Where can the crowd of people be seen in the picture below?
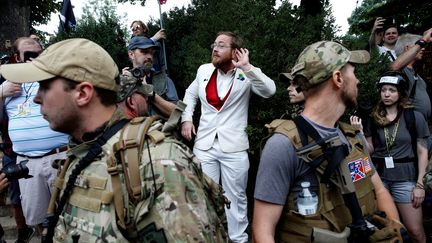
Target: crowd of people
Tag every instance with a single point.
(106, 161)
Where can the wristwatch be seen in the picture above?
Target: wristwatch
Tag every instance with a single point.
(421, 43)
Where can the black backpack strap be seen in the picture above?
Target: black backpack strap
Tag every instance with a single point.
(391, 56)
(305, 131)
(410, 121)
(411, 91)
(333, 155)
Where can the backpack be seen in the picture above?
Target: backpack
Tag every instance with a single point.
(198, 208)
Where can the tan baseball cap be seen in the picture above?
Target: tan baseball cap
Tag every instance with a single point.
(76, 59)
(318, 61)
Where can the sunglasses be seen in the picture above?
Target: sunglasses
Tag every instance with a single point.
(136, 27)
(30, 54)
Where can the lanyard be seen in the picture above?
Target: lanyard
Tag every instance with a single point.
(390, 140)
(27, 91)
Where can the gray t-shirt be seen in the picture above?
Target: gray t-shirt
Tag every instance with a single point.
(402, 148)
(421, 99)
(280, 171)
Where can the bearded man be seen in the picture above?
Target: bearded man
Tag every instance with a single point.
(224, 88)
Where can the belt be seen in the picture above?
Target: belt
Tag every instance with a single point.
(403, 160)
(53, 151)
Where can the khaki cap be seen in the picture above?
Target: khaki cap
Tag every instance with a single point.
(318, 61)
(75, 59)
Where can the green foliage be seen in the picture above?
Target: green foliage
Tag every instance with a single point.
(273, 36)
(101, 24)
(412, 16)
(142, 2)
(40, 12)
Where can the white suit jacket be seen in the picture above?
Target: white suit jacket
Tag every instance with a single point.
(229, 123)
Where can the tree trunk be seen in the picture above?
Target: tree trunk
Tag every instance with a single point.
(14, 23)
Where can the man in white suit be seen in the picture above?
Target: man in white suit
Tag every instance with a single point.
(224, 88)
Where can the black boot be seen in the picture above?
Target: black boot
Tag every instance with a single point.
(25, 235)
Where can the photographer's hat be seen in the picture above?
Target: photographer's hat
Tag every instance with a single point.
(317, 62)
(141, 42)
(75, 59)
(129, 85)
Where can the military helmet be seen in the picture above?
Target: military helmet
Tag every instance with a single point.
(129, 84)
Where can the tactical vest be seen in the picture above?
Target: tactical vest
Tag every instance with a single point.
(332, 214)
(142, 189)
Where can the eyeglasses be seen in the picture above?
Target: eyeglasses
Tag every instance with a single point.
(219, 46)
(136, 27)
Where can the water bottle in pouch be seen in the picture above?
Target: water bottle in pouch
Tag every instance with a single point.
(307, 201)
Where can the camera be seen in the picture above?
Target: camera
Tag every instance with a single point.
(17, 171)
(388, 22)
(141, 71)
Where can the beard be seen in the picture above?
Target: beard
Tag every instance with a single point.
(66, 124)
(220, 61)
(349, 100)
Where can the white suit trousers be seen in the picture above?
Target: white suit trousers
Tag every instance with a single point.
(232, 170)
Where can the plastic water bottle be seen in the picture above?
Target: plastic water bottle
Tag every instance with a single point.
(307, 201)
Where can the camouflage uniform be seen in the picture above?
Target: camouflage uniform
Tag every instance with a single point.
(179, 210)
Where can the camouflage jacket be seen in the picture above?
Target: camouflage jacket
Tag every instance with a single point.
(183, 205)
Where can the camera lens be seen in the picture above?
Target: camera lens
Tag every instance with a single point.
(137, 72)
(17, 171)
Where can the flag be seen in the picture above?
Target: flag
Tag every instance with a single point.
(67, 17)
(162, 1)
(357, 170)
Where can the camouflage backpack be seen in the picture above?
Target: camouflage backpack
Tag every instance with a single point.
(169, 197)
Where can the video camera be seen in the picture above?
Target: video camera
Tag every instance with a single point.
(17, 171)
(141, 71)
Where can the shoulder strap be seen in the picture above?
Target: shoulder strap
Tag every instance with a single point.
(411, 91)
(391, 56)
(410, 121)
(129, 149)
(411, 126)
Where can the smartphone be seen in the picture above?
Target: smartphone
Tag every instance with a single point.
(30, 54)
(389, 21)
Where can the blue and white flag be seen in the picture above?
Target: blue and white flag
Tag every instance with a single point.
(67, 17)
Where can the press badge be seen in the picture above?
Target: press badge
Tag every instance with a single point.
(389, 162)
(24, 109)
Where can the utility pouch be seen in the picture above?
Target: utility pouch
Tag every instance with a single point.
(326, 236)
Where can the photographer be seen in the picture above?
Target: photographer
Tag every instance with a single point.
(140, 52)
(384, 36)
(32, 141)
